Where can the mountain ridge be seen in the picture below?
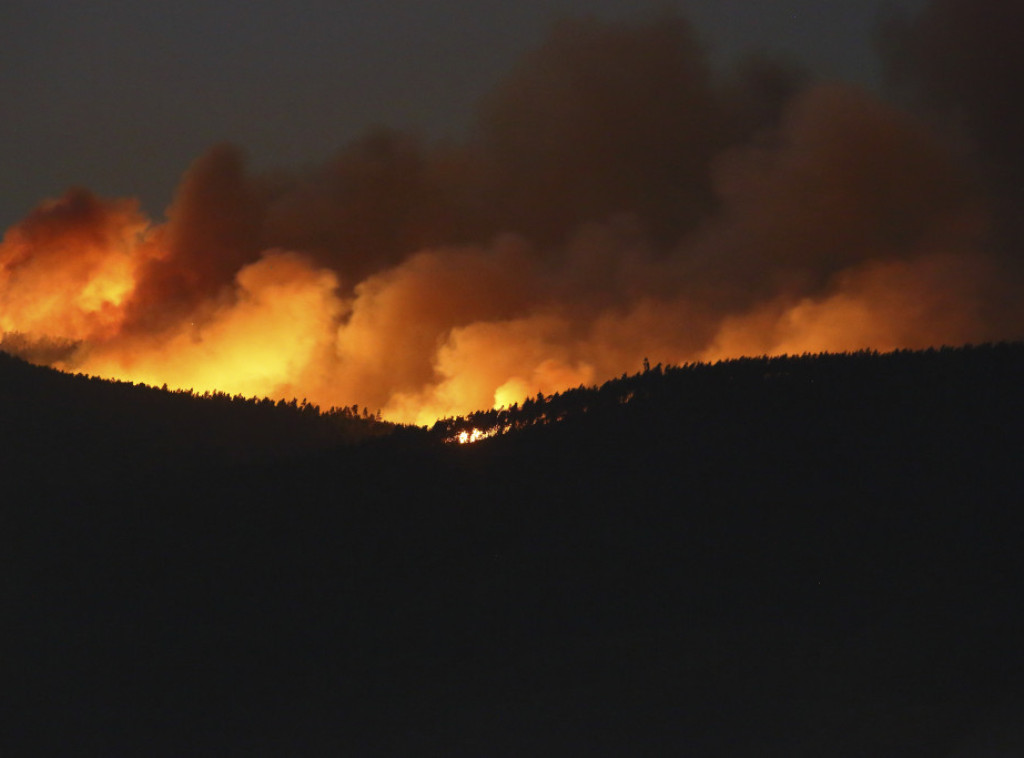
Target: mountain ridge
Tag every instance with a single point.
(773, 556)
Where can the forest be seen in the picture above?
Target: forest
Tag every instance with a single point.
(795, 556)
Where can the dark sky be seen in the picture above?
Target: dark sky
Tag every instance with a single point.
(121, 96)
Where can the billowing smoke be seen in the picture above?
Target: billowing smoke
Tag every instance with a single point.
(962, 62)
(618, 200)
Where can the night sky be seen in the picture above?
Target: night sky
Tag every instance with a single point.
(121, 97)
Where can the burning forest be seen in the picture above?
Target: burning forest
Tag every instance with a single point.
(618, 198)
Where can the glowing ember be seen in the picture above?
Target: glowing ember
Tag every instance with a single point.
(474, 435)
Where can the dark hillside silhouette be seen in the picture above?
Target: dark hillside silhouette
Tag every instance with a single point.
(51, 418)
(802, 556)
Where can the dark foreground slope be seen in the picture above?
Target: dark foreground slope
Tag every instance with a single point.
(57, 427)
(816, 556)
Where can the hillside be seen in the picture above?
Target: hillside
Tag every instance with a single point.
(88, 422)
(773, 556)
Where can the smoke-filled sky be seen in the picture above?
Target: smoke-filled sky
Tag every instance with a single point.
(439, 208)
(121, 96)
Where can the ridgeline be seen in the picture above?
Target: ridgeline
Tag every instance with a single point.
(815, 555)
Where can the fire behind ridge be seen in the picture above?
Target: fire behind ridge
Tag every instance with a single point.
(664, 211)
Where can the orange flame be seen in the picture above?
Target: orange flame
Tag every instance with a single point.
(854, 229)
(67, 271)
(473, 435)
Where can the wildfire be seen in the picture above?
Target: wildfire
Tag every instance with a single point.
(67, 271)
(467, 437)
(419, 340)
(559, 251)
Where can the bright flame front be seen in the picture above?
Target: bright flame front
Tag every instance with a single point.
(467, 437)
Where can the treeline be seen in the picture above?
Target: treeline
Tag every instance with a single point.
(948, 376)
(47, 414)
(304, 407)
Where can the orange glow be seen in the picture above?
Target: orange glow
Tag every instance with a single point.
(279, 322)
(473, 435)
(67, 270)
(440, 334)
(852, 228)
